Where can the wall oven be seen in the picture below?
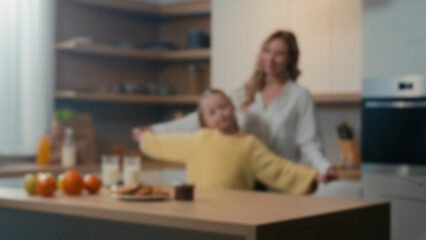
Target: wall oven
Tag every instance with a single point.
(394, 120)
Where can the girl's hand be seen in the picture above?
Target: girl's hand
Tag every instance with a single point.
(137, 132)
(329, 175)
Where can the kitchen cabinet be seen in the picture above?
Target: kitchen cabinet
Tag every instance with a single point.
(232, 59)
(310, 21)
(328, 32)
(346, 46)
(408, 202)
(214, 214)
(394, 38)
(406, 194)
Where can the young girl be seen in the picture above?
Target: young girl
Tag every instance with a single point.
(220, 156)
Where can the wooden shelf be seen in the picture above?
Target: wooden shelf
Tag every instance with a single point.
(184, 9)
(176, 9)
(137, 98)
(107, 50)
(337, 98)
(179, 99)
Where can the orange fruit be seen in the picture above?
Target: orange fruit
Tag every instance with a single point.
(92, 183)
(72, 182)
(46, 184)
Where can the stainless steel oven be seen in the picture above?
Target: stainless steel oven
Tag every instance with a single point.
(394, 120)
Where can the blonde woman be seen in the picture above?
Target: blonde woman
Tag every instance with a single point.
(272, 106)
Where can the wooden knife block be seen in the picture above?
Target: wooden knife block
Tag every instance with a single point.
(349, 153)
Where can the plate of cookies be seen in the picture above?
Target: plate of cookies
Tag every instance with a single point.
(139, 192)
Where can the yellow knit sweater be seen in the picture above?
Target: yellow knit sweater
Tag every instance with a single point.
(217, 160)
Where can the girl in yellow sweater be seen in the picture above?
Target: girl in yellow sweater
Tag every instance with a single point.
(220, 156)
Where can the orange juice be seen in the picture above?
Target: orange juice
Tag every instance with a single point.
(43, 153)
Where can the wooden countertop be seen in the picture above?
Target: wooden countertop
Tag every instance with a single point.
(219, 211)
(348, 173)
(19, 169)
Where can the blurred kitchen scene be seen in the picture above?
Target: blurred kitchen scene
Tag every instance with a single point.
(91, 70)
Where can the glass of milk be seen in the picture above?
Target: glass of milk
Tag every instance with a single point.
(131, 169)
(110, 172)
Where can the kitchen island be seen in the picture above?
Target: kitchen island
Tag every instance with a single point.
(214, 214)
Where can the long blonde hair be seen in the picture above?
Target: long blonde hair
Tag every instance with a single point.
(205, 95)
(257, 80)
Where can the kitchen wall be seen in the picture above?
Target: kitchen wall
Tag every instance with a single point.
(394, 37)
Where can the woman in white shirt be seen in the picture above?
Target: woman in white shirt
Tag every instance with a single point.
(272, 106)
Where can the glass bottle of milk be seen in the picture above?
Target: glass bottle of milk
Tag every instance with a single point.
(69, 151)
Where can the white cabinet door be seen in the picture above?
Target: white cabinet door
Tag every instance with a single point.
(329, 34)
(310, 21)
(346, 49)
(394, 36)
(232, 58)
(408, 203)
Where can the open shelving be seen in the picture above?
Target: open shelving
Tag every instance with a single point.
(183, 99)
(175, 9)
(108, 50)
(89, 73)
(128, 98)
(341, 98)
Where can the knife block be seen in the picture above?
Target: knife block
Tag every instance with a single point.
(349, 153)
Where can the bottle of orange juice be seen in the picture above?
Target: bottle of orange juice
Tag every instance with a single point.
(43, 153)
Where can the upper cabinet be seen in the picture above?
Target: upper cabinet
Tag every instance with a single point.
(328, 32)
(346, 46)
(310, 21)
(394, 37)
(232, 55)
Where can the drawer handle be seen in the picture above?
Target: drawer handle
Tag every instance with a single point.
(395, 104)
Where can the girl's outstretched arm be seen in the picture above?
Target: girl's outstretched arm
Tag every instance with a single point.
(169, 147)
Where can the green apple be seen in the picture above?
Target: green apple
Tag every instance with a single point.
(29, 183)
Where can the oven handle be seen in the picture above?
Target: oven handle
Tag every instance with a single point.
(395, 104)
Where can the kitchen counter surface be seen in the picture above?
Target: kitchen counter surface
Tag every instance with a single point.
(18, 169)
(250, 215)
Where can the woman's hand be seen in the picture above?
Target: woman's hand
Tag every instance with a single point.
(137, 132)
(329, 175)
